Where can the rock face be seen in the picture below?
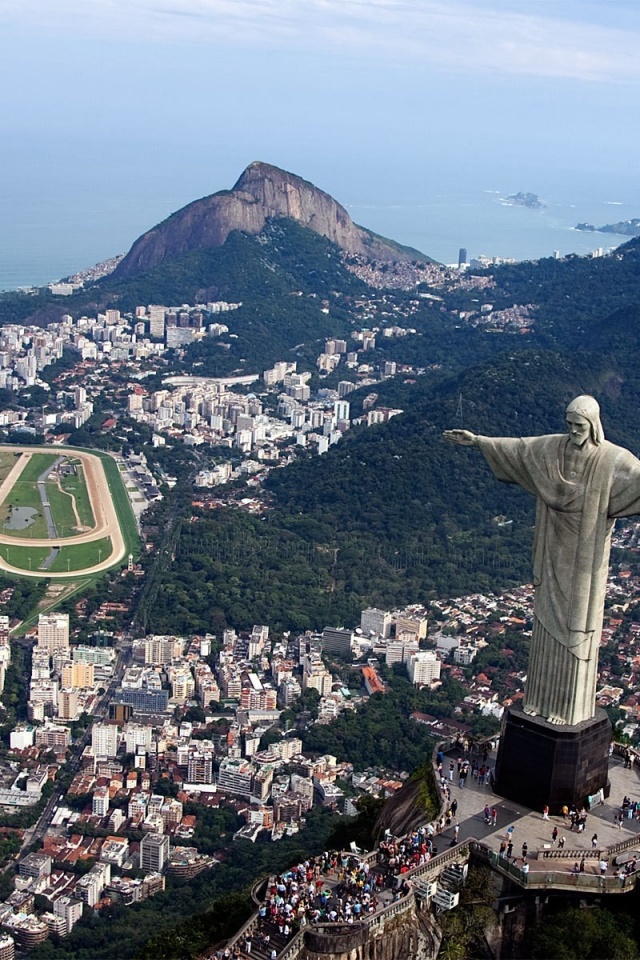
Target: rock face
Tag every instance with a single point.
(261, 193)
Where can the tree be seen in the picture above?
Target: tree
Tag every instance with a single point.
(592, 934)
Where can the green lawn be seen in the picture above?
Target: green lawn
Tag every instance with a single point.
(36, 466)
(76, 485)
(60, 496)
(81, 556)
(69, 558)
(26, 558)
(62, 511)
(24, 495)
(121, 502)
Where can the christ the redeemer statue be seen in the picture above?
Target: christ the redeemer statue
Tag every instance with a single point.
(581, 483)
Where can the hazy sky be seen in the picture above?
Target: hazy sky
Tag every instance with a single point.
(376, 101)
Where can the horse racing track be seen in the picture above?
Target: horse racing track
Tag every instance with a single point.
(57, 512)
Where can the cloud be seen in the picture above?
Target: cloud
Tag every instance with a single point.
(508, 37)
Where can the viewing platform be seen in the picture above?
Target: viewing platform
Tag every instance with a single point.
(578, 864)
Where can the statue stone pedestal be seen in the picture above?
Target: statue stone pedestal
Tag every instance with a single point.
(540, 763)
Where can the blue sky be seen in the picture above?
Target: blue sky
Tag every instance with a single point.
(376, 101)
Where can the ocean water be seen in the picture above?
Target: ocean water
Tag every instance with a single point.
(73, 217)
(482, 223)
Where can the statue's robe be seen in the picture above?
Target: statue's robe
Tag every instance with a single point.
(574, 519)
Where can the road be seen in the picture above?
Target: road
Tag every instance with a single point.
(38, 831)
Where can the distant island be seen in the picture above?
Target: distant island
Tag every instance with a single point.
(530, 200)
(625, 228)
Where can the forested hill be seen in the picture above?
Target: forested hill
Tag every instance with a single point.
(572, 295)
(284, 259)
(393, 514)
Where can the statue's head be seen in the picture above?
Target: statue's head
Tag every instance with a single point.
(583, 420)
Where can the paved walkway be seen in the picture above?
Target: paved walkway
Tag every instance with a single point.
(529, 826)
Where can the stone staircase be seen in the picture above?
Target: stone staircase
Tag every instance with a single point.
(259, 950)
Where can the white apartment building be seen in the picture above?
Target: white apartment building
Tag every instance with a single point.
(69, 909)
(100, 802)
(137, 735)
(465, 655)
(160, 649)
(235, 776)
(53, 632)
(105, 739)
(376, 621)
(423, 668)
(398, 651)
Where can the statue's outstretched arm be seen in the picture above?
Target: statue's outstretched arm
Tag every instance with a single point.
(463, 437)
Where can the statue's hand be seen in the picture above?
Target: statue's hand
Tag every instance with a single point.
(464, 437)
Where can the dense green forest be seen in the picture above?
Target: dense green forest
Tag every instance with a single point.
(392, 514)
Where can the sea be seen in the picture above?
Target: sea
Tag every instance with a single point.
(52, 230)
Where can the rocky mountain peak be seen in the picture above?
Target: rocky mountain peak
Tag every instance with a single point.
(261, 193)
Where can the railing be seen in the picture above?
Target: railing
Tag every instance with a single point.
(400, 906)
(263, 882)
(248, 929)
(621, 845)
(436, 864)
(293, 948)
(558, 879)
(566, 854)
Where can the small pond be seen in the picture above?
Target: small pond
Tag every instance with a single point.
(21, 518)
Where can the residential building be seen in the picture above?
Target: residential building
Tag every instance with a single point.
(35, 865)
(397, 651)
(143, 701)
(200, 763)
(53, 632)
(105, 739)
(7, 947)
(376, 621)
(100, 802)
(154, 852)
(51, 735)
(22, 737)
(77, 675)
(70, 909)
(423, 668)
(235, 776)
(99, 656)
(465, 655)
(68, 704)
(337, 640)
(414, 626)
(161, 649)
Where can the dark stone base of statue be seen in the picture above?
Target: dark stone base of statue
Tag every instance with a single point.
(542, 764)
